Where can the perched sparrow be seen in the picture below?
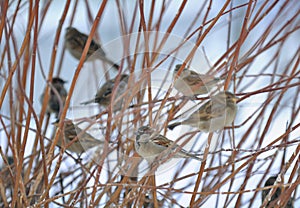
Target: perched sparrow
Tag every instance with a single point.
(276, 195)
(57, 98)
(191, 83)
(149, 144)
(81, 140)
(75, 42)
(104, 94)
(10, 161)
(8, 173)
(214, 115)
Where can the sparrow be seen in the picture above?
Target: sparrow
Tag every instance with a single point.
(76, 140)
(104, 93)
(57, 96)
(276, 195)
(190, 83)
(215, 114)
(75, 42)
(149, 144)
(6, 179)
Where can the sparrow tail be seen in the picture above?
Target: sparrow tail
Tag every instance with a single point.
(172, 126)
(116, 66)
(103, 58)
(87, 102)
(195, 157)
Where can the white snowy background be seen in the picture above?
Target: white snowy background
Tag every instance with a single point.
(214, 45)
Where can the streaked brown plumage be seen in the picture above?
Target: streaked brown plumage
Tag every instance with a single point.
(149, 144)
(218, 112)
(190, 83)
(75, 139)
(75, 42)
(57, 96)
(104, 94)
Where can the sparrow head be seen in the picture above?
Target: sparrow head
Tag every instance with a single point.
(230, 97)
(145, 130)
(270, 181)
(226, 96)
(144, 134)
(57, 80)
(177, 67)
(71, 31)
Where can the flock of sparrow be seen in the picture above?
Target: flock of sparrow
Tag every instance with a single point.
(219, 111)
(214, 115)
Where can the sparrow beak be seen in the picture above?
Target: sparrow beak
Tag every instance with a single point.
(235, 99)
(55, 123)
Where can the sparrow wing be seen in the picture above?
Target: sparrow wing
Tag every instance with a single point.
(200, 79)
(106, 89)
(162, 141)
(77, 41)
(212, 110)
(63, 92)
(88, 140)
(96, 47)
(70, 132)
(80, 41)
(193, 79)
